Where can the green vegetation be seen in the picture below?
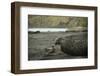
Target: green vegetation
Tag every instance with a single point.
(43, 21)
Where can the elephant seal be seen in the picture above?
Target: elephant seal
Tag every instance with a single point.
(74, 44)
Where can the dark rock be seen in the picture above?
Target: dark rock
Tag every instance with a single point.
(75, 44)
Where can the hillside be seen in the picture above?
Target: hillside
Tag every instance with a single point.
(42, 21)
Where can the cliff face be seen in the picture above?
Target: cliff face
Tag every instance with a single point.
(40, 21)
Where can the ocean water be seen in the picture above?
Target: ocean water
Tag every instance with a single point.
(48, 29)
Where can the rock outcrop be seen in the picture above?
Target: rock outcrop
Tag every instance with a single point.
(75, 45)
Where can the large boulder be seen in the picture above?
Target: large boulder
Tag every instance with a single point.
(74, 44)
